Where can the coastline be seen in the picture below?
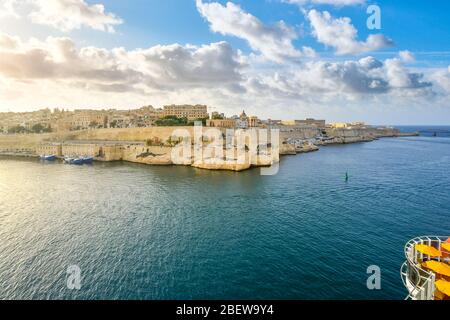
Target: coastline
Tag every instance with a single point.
(129, 145)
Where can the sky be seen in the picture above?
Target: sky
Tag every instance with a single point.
(278, 59)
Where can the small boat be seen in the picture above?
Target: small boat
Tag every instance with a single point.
(75, 161)
(48, 157)
(88, 160)
(68, 160)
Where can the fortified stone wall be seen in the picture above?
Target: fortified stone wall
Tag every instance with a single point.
(49, 149)
(90, 150)
(111, 153)
(129, 134)
(300, 133)
(147, 155)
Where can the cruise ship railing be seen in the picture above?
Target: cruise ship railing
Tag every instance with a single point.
(418, 281)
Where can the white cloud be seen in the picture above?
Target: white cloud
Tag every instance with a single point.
(8, 42)
(273, 42)
(399, 77)
(341, 35)
(442, 79)
(406, 56)
(8, 8)
(65, 15)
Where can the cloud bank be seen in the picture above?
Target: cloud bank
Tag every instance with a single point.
(214, 69)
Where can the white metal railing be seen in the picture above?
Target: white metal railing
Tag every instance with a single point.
(418, 281)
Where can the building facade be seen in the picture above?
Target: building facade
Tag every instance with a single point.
(54, 149)
(307, 122)
(187, 111)
(82, 119)
(221, 123)
(313, 122)
(347, 125)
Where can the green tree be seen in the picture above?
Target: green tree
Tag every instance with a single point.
(153, 142)
(37, 128)
(170, 121)
(17, 129)
(113, 124)
(217, 116)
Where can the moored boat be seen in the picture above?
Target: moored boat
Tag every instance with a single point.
(67, 160)
(48, 157)
(75, 161)
(88, 160)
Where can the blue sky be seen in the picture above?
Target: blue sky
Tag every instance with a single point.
(230, 55)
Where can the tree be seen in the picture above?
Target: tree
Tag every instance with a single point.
(37, 128)
(17, 129)
(153, 142)
(217, 116)
(113, 124)
(171, 121)
(173, 141)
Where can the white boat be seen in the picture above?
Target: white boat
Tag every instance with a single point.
(67, 159)
(48, 157)
(76, 161)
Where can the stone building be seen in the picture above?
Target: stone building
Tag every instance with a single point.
(81, 149)
(321, 124)
(86, 119)
(221, 123)
(187, 111)
(81, 120)
(347, 125)
(244, 121)
(254, 122)
(54, 149)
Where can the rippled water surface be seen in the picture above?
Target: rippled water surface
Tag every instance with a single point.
(143, 232)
